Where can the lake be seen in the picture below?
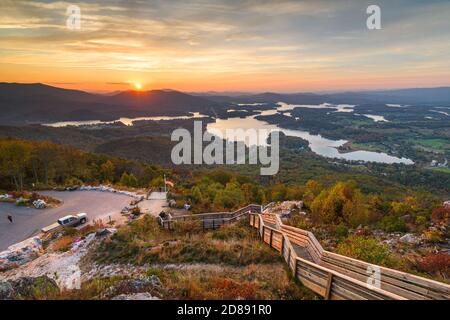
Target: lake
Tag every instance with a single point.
(125, 121)
(318, 144)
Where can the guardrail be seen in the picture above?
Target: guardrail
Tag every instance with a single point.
(210, 220)
(334, 276)
(328, 274)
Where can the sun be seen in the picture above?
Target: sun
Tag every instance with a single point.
(137, 85)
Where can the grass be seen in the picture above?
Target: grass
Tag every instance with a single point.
(249, 283)
(267, 282)
(437, 144)
(143, 241)
(443, 170)
(228, 263)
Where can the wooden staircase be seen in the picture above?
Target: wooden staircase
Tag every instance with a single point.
(334, 276)
(328, 274)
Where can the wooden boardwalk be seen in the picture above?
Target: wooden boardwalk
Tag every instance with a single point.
(328, 274)
(334, 276)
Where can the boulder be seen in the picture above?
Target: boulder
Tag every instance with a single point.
(6, 290)
(409, 238)
(28, 288)
(135, 296)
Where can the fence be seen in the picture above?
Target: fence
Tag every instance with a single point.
(334, 276)
(210, 220)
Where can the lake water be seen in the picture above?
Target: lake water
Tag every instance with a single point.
(126, 121)
(318, 144)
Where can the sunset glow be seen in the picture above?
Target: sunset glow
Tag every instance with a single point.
(224, 46)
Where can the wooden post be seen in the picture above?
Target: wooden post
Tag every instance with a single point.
(271, 237)
(263, 233)
(213, 224)
(282, 245)
(329, 282)
(289, 258)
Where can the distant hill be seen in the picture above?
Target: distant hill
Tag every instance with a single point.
(413, 96)
(40, 103)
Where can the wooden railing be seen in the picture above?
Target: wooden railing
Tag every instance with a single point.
(328, 274)
(334, 276)
(211, 220)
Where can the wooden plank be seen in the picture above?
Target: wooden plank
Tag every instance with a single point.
(312, 286)
(357, 282)
(428, 283)
(329, 283)
(410, 293)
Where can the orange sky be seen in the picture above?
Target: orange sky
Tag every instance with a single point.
(223, 46)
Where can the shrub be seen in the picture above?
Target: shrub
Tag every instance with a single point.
(433, 236)
(341, 230)
(229, 232)
(63, 244)
(365, 248)
(393, 224)
(436, 263)
(421, 220)
(441, 214)
(188, 227)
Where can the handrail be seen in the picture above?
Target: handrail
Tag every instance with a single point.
(219, 217)
(339, 277)
(328, 274)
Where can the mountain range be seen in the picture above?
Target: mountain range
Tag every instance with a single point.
(40, 103)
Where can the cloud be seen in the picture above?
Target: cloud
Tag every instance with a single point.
(227, 36)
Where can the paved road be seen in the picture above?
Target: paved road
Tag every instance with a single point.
(156, 203)
(28, 221)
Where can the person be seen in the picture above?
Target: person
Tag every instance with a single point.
(10, 218)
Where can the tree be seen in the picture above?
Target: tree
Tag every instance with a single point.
(312, 190)
(196, 195)
(15, 156)
(157, 182)
(341, 203)
(366, 249)
(125, 179)
(107, 171)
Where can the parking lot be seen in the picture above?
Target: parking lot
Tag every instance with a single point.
(29, 221)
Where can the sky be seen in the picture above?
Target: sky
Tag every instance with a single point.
(226, 45)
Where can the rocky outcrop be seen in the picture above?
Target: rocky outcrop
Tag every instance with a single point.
(28, 288)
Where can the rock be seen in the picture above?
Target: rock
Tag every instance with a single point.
(6, 291)
(105, 232)
(135, 296)
(129, 286)
(20, 253)
(409, 238)
(28, 288)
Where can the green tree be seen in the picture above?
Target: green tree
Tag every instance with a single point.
(107, 171)
(124, 179)
(14, 158)
(366, 249)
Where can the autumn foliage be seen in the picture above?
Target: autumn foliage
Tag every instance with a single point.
(436, 263)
